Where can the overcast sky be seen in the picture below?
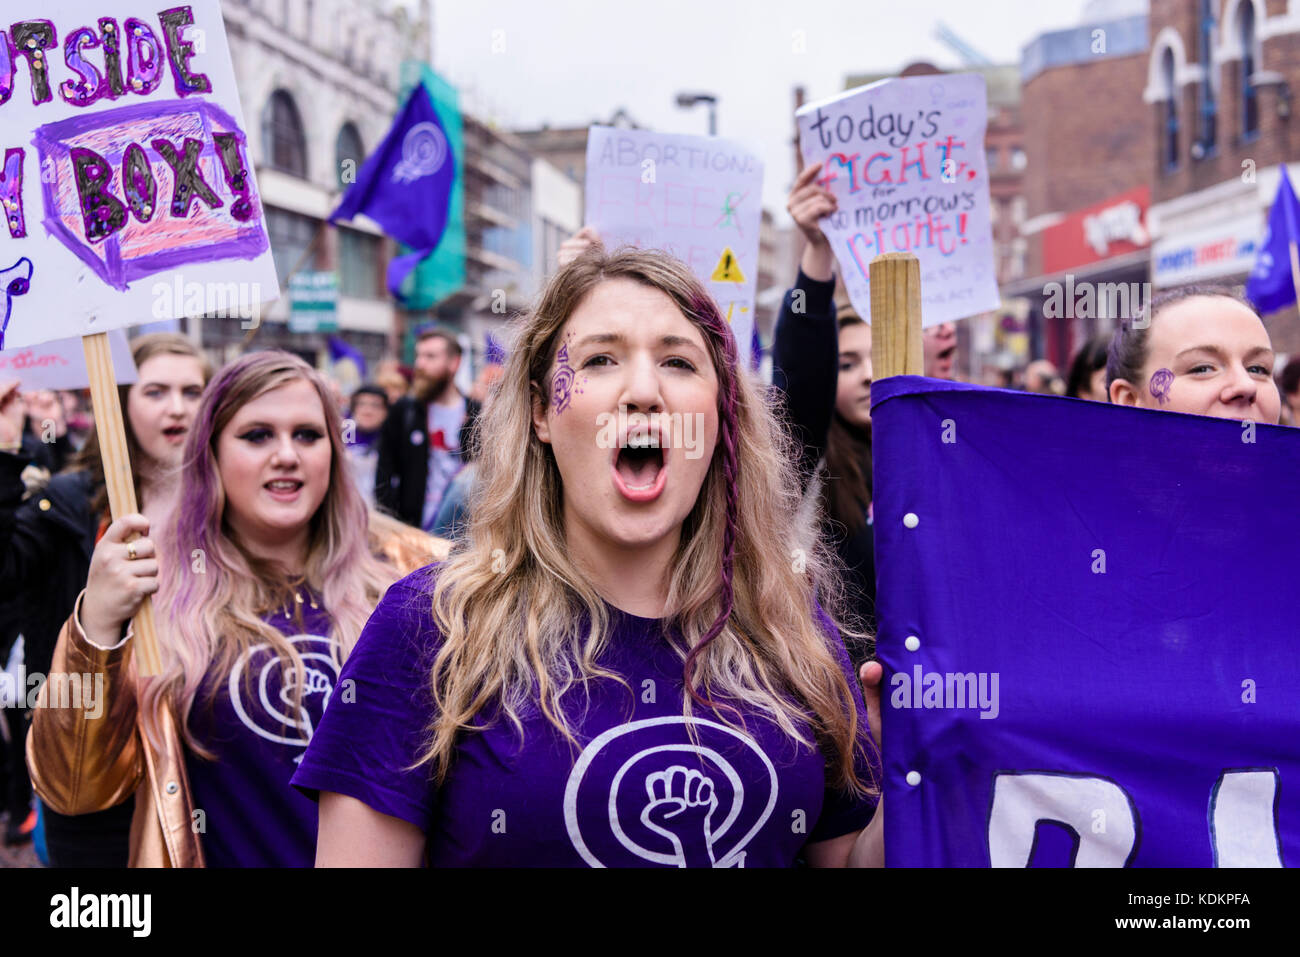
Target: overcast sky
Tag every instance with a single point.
(572, 62)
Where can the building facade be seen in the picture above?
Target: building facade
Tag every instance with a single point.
(1221, 76)
(1088, 147)
(319, 83)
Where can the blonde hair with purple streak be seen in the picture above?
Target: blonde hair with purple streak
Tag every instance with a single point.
(509, 599)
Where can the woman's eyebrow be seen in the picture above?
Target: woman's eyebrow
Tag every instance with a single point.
(618, 338)
(1212, 350)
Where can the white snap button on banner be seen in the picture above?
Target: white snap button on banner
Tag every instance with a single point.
(914, 778)
(912, 643)
(910, 520)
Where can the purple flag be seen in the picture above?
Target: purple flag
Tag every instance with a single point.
(1087, 622)
(1271, 285)
(405, 185)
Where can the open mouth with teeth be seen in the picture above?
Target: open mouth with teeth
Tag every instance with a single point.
(640, 469)
(283, 488)
(174, 432)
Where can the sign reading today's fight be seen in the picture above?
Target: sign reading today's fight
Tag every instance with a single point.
(904, 159)
(126, 171)
(697, 197)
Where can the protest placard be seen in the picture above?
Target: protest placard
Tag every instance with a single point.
(126, 171)
(905, 161)
(62, 364)
(125, 177)
(699, 198)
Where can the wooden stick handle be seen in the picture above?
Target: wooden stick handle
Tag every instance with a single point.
(117, 478)
(896, 316)
(1295, 270)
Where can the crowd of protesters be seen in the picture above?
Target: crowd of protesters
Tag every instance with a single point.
(377, 621)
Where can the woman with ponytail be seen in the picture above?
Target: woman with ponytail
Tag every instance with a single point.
(264, 577)
(619, 664)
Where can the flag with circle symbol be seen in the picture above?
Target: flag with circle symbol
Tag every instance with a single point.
(406, 185)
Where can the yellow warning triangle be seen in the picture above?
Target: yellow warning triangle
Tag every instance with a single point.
(728, 270)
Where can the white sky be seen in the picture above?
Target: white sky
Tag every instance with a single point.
(571, 62)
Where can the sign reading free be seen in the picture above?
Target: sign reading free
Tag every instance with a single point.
(122, 156)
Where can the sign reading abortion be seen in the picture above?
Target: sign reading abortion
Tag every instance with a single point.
(1086, 621)
(904, 159)
(123, 157)
(62, 364)
(697, 197)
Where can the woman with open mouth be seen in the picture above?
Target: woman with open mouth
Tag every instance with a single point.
(623, 663)
(265, 574)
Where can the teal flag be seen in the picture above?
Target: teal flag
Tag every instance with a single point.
(442, 273)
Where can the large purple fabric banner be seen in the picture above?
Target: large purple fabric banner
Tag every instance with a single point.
(1087, 621)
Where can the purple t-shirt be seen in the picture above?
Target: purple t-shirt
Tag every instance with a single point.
(251, 816)
(636, 792)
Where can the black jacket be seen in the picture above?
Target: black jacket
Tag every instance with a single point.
(805, 367)
(45, 548)
(403, 466)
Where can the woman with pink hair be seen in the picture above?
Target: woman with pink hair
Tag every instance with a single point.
(264, 576)
(626, 660)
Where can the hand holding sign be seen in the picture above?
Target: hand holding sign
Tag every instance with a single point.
(905, 161)
(808, 204)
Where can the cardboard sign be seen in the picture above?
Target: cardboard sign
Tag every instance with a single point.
(126, 172)
(697, 197)
(905, 161)
(62, 364)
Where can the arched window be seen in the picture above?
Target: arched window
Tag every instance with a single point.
(349, 153)
(1207, 108)
(1249, 99)
(1171, 110)
(285, 145)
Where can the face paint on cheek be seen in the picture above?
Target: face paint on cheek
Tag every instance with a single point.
(562, 381)
(1162, 380)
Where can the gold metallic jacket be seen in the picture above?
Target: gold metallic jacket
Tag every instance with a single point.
(80, 764)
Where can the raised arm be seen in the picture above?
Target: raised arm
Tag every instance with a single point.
(805, 349)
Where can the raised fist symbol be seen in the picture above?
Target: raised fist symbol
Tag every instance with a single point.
(681, 802)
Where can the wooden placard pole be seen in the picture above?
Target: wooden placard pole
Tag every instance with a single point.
(117, 478)
(1295, 270)
(896, 316)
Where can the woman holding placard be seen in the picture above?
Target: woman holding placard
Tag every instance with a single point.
(46, 540)
(263, 581)
(621, 665)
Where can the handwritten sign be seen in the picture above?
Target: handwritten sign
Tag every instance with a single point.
(699, 198)
(905, 161)
(126, 171)
(62, 364)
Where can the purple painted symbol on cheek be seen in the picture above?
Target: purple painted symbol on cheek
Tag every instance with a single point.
(562, 382)
(1162, 380)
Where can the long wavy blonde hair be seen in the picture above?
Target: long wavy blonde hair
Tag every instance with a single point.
(211, 614)
(509, 601)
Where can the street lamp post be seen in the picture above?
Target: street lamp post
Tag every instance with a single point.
(687, 100)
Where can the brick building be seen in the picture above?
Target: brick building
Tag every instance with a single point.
(1088, 145)
(1218, 93)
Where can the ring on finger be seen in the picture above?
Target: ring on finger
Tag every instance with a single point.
(130, 551)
